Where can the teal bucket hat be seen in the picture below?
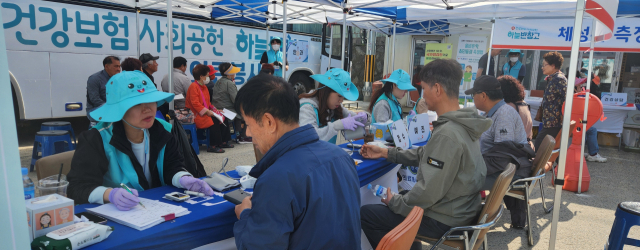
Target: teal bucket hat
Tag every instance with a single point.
(400, 78)
(514, 51)
(340, 81)
(125, 90)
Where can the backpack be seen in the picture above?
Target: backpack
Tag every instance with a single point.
(191, 161)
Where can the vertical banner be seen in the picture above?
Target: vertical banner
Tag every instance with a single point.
(470, 49)
(433, 51)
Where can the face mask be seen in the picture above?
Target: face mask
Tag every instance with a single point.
(275, 47)
(231, 77)
(513, 59)
(207, 80)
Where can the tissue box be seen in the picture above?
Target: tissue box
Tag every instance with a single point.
(381, 131)
(46, 217)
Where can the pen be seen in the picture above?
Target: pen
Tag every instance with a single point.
(194, 193)
(129, 190)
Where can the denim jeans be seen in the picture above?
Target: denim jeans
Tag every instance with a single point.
(591, 139)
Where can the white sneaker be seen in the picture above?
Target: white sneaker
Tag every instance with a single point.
(586, 155)
(596, 158)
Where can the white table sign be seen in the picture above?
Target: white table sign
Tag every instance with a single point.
(616, 99)
(400, 134)
(419, 128)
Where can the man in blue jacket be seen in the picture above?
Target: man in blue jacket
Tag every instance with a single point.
(307, 193)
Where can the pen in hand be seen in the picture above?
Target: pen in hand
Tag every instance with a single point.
(129, 190)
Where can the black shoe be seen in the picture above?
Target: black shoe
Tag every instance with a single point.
(214, 149)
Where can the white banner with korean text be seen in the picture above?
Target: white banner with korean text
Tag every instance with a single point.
(555, 34)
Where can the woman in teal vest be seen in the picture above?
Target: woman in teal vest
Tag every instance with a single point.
(274, 56)
(514, 67)
(322, 108)
(384, 102)
(128, 146)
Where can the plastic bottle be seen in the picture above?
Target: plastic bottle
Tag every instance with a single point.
(29, 188)
(379, 191)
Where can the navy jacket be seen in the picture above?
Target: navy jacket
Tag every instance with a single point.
(307, 196)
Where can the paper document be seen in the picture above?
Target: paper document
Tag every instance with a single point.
(178, 97)
(229, 114)
(138, 217)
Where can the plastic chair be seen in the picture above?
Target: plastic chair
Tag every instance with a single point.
(490, 214)
(205, 139)
(627, 216)
(190, 128)
(403, 235)
(521, 189)
(49, 143)
(50, 165)
(58, 125)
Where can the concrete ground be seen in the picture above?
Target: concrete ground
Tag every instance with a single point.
(585, 219)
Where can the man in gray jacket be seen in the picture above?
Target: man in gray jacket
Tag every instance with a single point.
(451, 169)
(180, 81)
(96, 85)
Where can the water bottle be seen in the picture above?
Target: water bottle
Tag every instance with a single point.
(379, 191)
(29, 188)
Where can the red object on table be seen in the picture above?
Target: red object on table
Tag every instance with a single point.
(574, 152)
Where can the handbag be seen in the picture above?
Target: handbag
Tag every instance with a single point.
(539, 114)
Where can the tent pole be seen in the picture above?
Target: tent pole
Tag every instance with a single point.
(393, 50)
(138, 28)
(586, 103)
(385, 69)
(284, 39)
(268, 38)
(344, 35)
(170, 49)
(566, 120)
(330, 45)
(493, 25)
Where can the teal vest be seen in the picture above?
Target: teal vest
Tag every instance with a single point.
(120, 167)
(334, 138)
(396, 109)
(273, 56)
(513, 71)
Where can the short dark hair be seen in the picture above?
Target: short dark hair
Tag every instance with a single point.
(199, 71)
(224, 67)
(131, 64)
(446, 72)
(512, 90)
(267, 69)
(109, 60)
(179, 61)
(268, 94)
(494, 95)
(554, 58)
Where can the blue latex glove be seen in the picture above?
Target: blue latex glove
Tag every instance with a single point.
(350, 123)
(196, 185)
(412, 112)
(124, 200)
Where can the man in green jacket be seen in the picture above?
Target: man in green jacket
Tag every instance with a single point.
(451, 168)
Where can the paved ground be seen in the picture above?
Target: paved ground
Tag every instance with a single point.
(585, 219)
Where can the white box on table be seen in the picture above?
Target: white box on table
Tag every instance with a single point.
(381, 131)
(46, 217)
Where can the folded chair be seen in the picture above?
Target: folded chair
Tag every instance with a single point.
(491, 213)
(403, 235)
(521, 189)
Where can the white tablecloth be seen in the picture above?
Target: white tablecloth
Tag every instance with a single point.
(613, 124)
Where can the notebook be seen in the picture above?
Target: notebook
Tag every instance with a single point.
(139, 217)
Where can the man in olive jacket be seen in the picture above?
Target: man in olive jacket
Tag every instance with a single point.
(451, 168)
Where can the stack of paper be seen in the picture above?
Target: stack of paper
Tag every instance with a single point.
(139, 217)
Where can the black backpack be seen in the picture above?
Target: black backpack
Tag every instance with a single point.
(191, 161)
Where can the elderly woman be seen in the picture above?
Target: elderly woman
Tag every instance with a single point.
(197, 100)
(554, 96)
(513, 93)
(128, 146)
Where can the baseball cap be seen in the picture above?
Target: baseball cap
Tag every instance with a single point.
(484, 83)
(212, 70)
(147, 57)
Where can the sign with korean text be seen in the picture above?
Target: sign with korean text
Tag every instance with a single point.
(400, 134)
(556, 34)
(470, 49)
(419, 128)
(615, 99)
(433, 51)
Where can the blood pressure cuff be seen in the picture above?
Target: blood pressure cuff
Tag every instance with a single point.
(221, 183)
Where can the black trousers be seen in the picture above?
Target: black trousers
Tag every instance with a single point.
(218, 133)
(378, 220)
(544, 132)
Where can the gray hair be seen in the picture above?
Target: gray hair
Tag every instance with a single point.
(147, 64)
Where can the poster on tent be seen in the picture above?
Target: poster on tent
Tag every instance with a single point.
(556, 34)
(470, 49)
(433, 51)
(298, 51)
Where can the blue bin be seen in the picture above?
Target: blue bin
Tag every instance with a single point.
(49, 143)
(59, 125)
(627, 216)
